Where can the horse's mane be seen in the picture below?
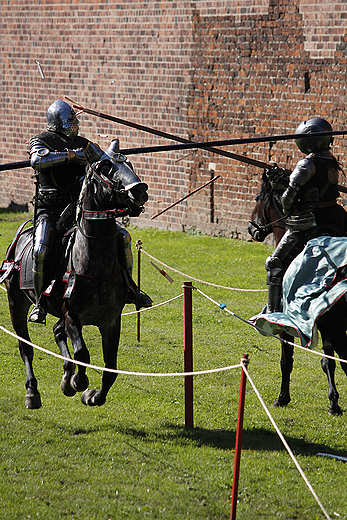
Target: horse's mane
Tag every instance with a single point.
(267, 196)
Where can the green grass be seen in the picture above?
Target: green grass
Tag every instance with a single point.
(133, 458)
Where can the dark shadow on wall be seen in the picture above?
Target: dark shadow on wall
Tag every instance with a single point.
(14, 207)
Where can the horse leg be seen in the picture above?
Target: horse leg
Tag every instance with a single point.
(286, 369)
(110, 342)
(328, 366)
(19, 306)
(79, 381)
(60, 337)
(333, 334)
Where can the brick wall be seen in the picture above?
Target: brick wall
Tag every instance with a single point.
(201, 70)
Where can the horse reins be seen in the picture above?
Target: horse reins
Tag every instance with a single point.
(270, 225)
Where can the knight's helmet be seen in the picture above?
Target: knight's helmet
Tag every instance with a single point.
(314, 144)
(61, 118)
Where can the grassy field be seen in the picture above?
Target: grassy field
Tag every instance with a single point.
(133, 458)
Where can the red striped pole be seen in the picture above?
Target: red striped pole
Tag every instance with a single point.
(138, 245)
(188, 352)
(238, 443)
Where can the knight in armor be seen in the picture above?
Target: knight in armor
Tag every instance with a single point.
(309, 200)
(58, 157)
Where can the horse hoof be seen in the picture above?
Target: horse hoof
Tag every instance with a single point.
(66, 387)
(79, 385)
(335, 410)
(87, 397)
(33, 401)
(278, 403)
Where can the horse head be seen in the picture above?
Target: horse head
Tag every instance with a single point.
(267, 216)
(113, 181)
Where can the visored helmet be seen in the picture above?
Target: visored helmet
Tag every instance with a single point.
(314, 144)
(61, 118)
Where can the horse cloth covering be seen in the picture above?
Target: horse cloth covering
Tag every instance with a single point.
(310, 287)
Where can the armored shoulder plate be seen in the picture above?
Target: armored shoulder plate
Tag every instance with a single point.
(303, 172)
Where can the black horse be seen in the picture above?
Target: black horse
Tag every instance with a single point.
(90, 286)
(267, 217)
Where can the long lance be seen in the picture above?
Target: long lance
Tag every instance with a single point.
(14, 165)
(159, 133)
(206, 145)
(185, 197)
(228, 142)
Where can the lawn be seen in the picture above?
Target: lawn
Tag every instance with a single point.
(133, 457)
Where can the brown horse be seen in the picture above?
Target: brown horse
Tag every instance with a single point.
(267, 217)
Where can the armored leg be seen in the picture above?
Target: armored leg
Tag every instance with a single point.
(276, 265)
(275, 274)
(125, 255)
(44, 238)
(138, 298)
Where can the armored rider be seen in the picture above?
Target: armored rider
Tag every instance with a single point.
(58, 157)
(309, 201)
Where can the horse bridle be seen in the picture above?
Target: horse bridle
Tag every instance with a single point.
(270, 225)
(109, 214)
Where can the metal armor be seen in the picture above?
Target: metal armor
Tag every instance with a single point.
(61, 118)
(124, 251)
(313, 144)
(43, 243)
(41, 157)
(312, 186)
(278, 178)
(303, 172)
(276, 265)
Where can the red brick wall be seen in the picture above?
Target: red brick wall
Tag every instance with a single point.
(203, 70)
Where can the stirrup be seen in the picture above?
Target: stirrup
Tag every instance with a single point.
(37, 315)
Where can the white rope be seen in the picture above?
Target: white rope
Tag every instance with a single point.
(310, 351)
(153, 306)
(291, 454)
(124, 372)
(197, 279)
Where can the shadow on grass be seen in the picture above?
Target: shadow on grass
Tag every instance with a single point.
(254, 439)
(257, 439)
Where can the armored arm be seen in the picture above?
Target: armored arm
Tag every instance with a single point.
(278, 178)
(42, 157)
(302, 173)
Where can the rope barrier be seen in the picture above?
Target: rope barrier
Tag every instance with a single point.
(116, 371)
(153, 306)
(222, 306)
(201, 281)
(139, 310)
(291, 454)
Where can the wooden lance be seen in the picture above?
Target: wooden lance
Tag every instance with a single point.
(186, 196)
(160, 133)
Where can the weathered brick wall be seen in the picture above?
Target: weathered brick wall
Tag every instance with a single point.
(130, 59)
(201, 70)
(258, 75)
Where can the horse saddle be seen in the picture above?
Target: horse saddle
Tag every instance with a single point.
(20, 260)
(19, 256)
